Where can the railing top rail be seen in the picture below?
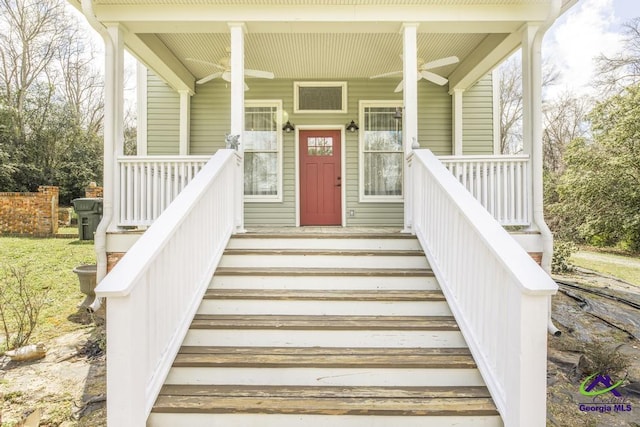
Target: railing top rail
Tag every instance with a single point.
(134, 159)
(484, 157)
(532, 279)
(122, 279)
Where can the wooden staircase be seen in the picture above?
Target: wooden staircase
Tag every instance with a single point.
(334, 330)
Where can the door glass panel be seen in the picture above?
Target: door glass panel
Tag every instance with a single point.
(320, 146)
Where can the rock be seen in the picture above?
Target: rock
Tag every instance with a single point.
(28, 352)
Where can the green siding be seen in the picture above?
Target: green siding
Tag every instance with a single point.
(163, 117)
(477, 118)
(210, 121)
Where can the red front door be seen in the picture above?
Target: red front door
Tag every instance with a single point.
(320, 180)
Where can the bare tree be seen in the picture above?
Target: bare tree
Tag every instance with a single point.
(30, 31)
(81, 83)
(564, 120)
(510, 101)
(621, 69)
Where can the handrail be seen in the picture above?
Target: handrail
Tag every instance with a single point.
(155, 289)
(500, 183)
(497, 293)
(148, 184)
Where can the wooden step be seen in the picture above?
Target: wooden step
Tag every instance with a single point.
(404, 401)
(321, 241)
(324, 258)
(342, 272)
(324, 302)
(325, 295)
(307, 357)
(317, 323)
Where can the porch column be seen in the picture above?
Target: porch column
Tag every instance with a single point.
(410, 112)
(237, 112)
(185, 121)
(113, 122)
(457, 121)
(530, 102)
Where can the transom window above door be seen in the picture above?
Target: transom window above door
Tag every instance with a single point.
(263, 151)
(381, 153)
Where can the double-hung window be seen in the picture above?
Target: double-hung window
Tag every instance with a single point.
(381, 153)
(263, 151)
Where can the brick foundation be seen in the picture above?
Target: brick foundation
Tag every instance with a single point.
(30, 214)
(112, 259)
(537, 257)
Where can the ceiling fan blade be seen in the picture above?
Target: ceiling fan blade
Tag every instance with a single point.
(432, 77)
(259, 74)
(209, 77)
(199, 61)
(392, 73)
(399, 87)
(440, 62)
(226, 76)
(246, 88)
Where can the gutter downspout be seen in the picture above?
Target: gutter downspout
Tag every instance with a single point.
(536, 158)
(100, 241)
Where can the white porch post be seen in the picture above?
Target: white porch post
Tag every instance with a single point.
(237, 112)
(114, 140)
(457, 121)
(124, 383)
(185, 121)
(529, 104)
(410, 113)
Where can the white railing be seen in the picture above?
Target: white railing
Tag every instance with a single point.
(498, 294)
(154, 291)
(149, 184)
(499, 183)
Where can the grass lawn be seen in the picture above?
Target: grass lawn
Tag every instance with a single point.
(49, 264)
(623, 267)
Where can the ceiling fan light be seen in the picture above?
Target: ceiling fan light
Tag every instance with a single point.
(352, 127)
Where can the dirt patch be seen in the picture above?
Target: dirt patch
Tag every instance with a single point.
(600, 325)
(67, 386)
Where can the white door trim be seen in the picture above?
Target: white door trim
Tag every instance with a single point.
(343, 149)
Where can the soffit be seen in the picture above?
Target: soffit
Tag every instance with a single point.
(318, 56)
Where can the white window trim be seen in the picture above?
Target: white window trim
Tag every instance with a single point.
(296, 100)
(363, 198)
(278, 104)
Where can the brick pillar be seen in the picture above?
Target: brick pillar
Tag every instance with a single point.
(93, 191)
(49, 221)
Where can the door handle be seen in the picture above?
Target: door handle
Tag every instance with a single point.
(339, 184)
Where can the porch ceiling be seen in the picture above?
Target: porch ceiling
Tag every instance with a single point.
(318, 56)
(321, 39)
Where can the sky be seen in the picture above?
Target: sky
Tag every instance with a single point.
(589, 28)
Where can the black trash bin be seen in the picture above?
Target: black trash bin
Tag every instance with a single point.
(89, 212)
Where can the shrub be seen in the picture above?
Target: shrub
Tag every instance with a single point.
(561, 253)
(20, 306)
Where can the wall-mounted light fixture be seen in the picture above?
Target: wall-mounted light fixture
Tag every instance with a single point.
(398, 113)
(288, 127)
(352, 127)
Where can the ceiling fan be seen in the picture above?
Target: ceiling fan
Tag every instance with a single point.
(423, 71)
(224, 67)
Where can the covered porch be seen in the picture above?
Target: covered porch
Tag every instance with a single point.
(432, 138)
(308, 43)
